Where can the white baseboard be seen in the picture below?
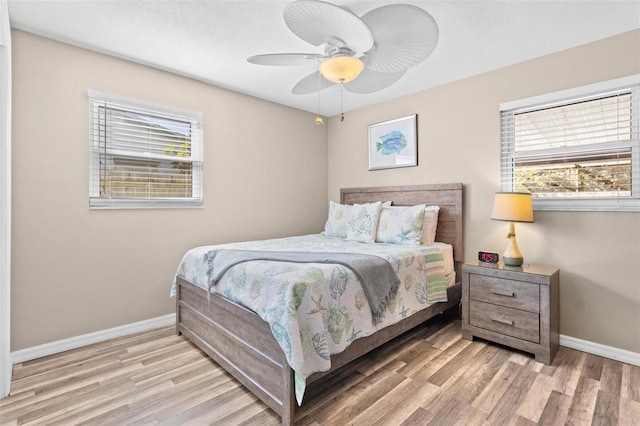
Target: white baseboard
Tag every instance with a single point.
(600, 350)
(46, 349)
(35, 352)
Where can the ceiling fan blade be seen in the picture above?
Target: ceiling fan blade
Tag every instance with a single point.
(284, 59)
(312, 83)
(405, 35)
(370, 81)
(317, 22)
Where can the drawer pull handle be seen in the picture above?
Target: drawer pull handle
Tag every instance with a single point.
(502, 321)
(503, 293)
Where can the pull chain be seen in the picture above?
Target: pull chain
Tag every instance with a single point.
(318, 120)
(341, 116)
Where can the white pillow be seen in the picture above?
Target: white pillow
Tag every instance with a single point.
(338, 220)
(429, 225)
(400, 225)
(364, 222)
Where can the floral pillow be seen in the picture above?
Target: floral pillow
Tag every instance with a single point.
(364, 222)
(429, 225)
(400, 225)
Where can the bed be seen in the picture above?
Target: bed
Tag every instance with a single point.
(241, 342)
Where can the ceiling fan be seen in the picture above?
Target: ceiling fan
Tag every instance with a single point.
(364, 54)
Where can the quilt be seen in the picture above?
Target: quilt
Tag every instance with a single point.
(316, 310)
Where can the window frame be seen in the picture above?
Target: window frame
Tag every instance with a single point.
(570, 96)
(96, 201)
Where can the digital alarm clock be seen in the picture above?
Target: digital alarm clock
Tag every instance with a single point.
(488, 257)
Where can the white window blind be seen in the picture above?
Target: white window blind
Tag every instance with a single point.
(579, 151)
(143, 155)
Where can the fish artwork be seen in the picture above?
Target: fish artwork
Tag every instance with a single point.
(391, 143)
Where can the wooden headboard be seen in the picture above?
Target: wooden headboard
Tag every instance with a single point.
(448, 196)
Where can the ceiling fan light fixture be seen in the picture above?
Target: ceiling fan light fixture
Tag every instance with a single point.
(341, 69)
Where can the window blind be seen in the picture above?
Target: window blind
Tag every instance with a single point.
(575, 149)
(143, 156)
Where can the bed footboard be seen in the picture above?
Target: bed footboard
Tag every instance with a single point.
(241, 342)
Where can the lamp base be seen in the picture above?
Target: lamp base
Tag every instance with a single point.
(512, 255)
(512, 261)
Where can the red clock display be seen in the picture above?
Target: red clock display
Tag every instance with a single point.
(488, 257)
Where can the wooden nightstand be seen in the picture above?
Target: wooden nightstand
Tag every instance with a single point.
(514, 306)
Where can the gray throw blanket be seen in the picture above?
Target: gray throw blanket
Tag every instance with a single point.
(379, 281)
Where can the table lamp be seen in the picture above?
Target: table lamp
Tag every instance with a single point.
(512, 207)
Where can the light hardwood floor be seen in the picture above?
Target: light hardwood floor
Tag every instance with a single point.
(427, 376)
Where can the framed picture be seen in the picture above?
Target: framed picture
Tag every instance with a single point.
(394, 143)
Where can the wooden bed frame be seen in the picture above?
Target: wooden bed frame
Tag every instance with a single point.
(241, 342)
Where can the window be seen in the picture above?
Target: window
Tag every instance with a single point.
(575, 150)
(143, 155)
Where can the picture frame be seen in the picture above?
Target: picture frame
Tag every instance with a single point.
(394, 143)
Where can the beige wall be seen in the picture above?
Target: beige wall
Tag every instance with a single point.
(598, 253)
(77, 271)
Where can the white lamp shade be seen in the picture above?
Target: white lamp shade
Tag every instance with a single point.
(512, 207)
(341, 69)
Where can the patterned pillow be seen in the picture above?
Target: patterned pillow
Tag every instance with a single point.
(364, 222)
(338, 220)
(429, 225)
(400, 225)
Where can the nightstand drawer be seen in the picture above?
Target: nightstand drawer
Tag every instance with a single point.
(512, 322)
(509, 293)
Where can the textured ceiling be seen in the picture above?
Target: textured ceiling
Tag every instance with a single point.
(210, 40)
